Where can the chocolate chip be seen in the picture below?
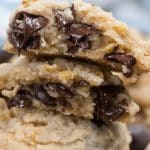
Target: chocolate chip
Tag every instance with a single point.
(128, 60)
(24, 32)
(60, 19)
(107, 106)
(140, 136)
(77, 34)
(78, 31)
(17, 102)
(33, 42)
(62, 91)
(121, 58)
(39, 92)
(74, 47)
(22, 99)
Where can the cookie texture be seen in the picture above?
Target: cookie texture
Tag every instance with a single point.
(60, 84)
(140, 90)
(33, 129)
(140, 131)
(81, 30)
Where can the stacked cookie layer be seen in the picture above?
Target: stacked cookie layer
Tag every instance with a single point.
(33, 129)
(79, 30)
(70, 87)
(65, 84)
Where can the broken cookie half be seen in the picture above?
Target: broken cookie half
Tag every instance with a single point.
(46, 28)
(70, 87)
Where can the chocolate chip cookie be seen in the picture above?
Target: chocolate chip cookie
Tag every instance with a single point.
(70, 87)
(81, 30)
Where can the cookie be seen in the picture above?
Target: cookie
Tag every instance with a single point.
(32, 129)
(140, 91)
(80, 30)
(69, 87)
(143, 117)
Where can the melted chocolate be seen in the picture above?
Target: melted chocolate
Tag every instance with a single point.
(26, 94)
(77, 34)
(24, 30)
(108, 108)
(22, 99)
(63, 91)
(128, 60)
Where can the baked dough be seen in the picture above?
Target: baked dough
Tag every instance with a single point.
(80, 30)
(70, 87)
(32, 129)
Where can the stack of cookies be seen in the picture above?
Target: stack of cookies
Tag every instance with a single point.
(61, 92)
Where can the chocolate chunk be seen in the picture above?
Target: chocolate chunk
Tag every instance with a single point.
(60, 19)
(74, 47)
(140, 136)
(108, 107)
(17, 102)
(24, 30)
(39, 92)
(62, 91)
(77, 33)
(78, 36)
(128, 60)
(22, 99)
(121, 58)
